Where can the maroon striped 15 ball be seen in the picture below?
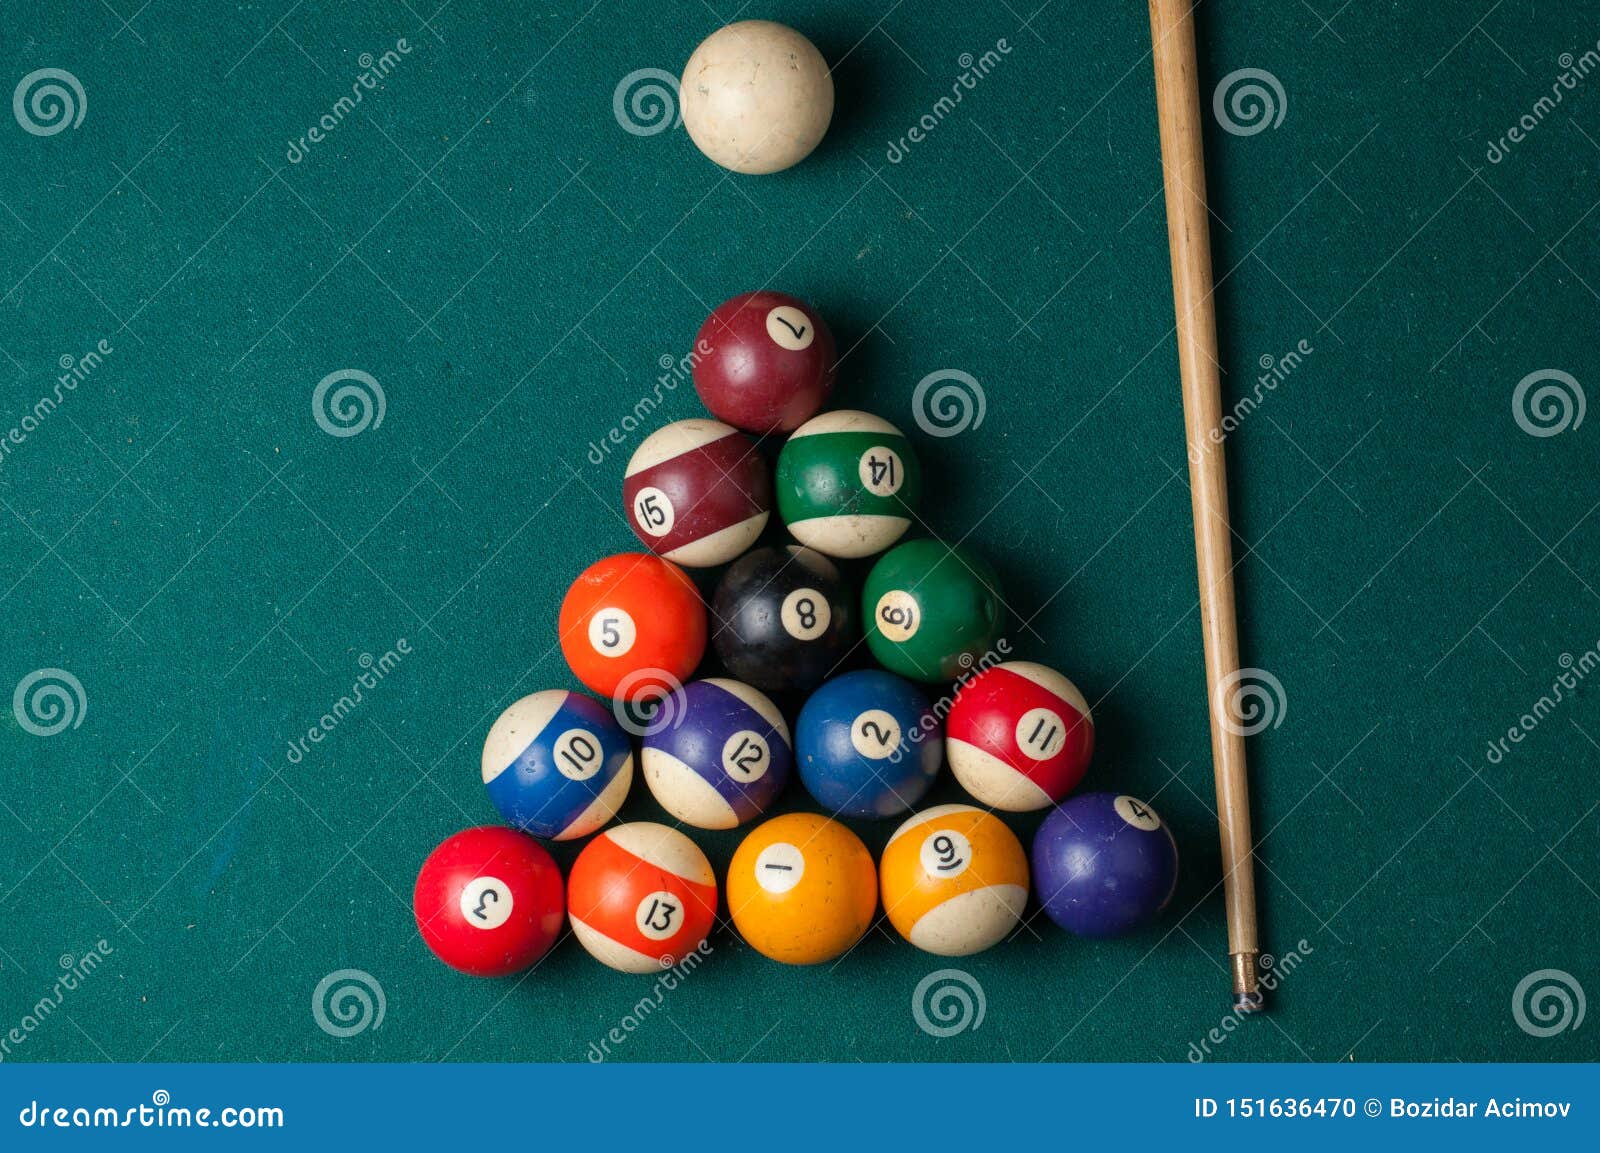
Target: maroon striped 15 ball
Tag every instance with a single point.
(697, 492)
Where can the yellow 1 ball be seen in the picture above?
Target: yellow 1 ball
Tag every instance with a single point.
(802, 889)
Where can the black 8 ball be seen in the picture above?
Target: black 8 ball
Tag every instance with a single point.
(782, 618)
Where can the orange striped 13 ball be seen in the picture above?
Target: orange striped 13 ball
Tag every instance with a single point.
(641, 897)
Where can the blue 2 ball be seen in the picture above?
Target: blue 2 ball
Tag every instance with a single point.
(868, 745)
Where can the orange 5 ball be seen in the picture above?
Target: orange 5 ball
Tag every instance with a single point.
(630, 619)
(802, 889)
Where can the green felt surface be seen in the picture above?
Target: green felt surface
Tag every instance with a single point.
(512, 267)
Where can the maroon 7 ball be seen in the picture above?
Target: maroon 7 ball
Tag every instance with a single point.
(489, 901)
(764, 362)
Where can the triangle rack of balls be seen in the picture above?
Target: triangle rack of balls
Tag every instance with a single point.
(891, 684)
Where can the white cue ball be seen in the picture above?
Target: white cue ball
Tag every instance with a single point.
(756, 96)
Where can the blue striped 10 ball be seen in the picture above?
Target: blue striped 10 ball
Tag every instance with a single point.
(557, 765)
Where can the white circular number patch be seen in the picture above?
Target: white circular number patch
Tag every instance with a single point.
(577, 754)
(790, 328)
(653, 511)
(898, 615)
(882, 472)
(875, 734)
(946, 853)
(1138, 814)
(612, 632)
(486, 902)
(659, 915)
(779, 867)
(806, 614)
(745, 756)
(1041, 733)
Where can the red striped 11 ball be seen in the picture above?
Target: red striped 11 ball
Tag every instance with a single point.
(717, 754)
(557, 765)
(488, 901)
(641, 897)
(1019, 736)
(697, 492)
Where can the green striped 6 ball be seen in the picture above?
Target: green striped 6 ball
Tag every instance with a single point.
(848, 483)
(931, 610)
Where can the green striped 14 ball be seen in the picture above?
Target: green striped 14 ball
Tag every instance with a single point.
(848, 483)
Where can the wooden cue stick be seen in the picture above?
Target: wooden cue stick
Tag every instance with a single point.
(1188, 235)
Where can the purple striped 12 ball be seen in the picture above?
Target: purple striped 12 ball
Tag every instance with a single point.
(717, 754)
(1104, 865)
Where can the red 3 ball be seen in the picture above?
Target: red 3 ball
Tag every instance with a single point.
(764, 362)
(489, 901)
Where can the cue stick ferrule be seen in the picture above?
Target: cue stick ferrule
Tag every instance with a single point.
(1247, 996)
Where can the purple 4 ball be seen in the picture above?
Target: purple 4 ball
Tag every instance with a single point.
(1104, 865)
